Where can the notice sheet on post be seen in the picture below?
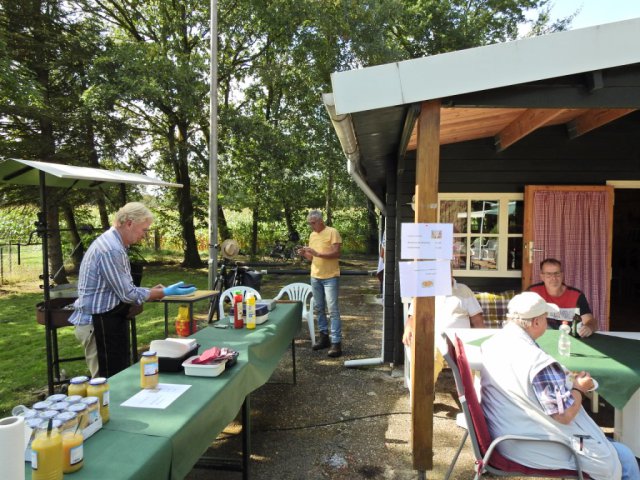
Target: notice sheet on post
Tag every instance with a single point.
(160, 397)
(425, 278)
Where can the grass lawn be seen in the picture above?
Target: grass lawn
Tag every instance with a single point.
(22, 342)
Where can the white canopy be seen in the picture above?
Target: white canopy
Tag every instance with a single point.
(27, 172)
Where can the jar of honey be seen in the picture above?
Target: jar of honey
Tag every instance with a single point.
(46, 454)
(93, 408)
(98, 387)
(72, 451)
(82, 411)
(78, 386)
(60, 406)
(42, 406)
(149, 370)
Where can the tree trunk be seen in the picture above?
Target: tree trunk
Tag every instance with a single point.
(372, 237)
(185, 204)
(223, 229)
(94, 162)
(328, 199)
(56, 260)
(76, 240)
(254, 230)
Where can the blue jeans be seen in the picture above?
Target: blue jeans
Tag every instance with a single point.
(630, 469)
(325, 296)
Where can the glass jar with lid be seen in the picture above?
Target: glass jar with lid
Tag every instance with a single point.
(60, 406)
(57, 397)
(69, 421)
(98, 387)
(46, 454)
(149, 370)
(73, 399)
(93, 408)
(82, 411)
(42, 406)
(78, 386)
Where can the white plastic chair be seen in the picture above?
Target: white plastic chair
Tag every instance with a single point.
(302, 292)
(228, 294)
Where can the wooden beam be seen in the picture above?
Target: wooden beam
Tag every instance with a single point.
(426, 207)
(526, 123)
(593, 119)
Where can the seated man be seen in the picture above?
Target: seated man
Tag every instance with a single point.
(526, 392)
(553, 290)
(458, 310)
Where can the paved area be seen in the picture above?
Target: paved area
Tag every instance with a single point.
(341, 423)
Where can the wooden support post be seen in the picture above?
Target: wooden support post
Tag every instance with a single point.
(426, 207)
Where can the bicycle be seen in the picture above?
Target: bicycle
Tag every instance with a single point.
(284, 250)
(231, 274)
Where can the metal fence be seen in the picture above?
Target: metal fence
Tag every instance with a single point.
(19, 262)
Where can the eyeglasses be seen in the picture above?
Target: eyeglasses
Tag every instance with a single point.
(551, 274)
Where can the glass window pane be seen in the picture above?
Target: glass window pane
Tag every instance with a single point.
(514, 262)
(516, 216)
(484, 216)
(459, 261)
(455, 212)
(484, 253)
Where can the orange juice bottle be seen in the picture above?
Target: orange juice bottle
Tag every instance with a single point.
(46, 456)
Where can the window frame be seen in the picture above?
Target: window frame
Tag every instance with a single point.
(503, 236)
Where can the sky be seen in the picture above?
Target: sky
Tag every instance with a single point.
(595, 12)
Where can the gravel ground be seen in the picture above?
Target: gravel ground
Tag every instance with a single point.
(341, 423)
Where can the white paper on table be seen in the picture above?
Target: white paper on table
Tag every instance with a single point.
(426, 241)
(425, 278)
(160, 397)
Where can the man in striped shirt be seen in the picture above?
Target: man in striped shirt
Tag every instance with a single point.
(106, 291)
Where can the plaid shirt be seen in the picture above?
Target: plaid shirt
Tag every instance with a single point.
(550, 386)
(105, 279)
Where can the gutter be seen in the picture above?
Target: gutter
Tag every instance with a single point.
(343, 126)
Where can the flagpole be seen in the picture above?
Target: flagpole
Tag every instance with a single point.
(213, 146)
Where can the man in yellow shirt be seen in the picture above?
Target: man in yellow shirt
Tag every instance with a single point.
(324, 253)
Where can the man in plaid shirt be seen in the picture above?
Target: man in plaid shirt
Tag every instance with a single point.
(526, 392)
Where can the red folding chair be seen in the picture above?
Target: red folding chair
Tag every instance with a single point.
(488, 458)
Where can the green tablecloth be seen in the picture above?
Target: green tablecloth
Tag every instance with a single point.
(613, 361)
(192, 422)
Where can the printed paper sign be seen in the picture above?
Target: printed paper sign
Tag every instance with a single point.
(425, 278)
(161, 397)
(426, 241)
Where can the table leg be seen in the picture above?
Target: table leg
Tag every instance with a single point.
(293, 359)
(134, 341)
(191, 325)
(166, 320)
(246, 437)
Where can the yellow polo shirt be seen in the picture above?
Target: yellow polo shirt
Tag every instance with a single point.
(321, 242)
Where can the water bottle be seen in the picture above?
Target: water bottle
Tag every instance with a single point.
(564, 341)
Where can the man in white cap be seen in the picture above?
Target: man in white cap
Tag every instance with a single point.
(526, 392)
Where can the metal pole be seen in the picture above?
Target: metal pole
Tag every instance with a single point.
(213, 147)
(43, 229)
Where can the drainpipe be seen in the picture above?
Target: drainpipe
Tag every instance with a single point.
(344, 129)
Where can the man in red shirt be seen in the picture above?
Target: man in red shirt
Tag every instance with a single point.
(553, 290)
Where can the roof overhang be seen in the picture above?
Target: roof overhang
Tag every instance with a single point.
(27, 172)
(581, 78)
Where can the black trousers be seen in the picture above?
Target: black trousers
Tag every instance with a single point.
(111, 330)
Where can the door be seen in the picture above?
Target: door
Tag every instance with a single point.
(574, 225)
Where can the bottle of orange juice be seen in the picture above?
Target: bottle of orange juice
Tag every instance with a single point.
(46, 454)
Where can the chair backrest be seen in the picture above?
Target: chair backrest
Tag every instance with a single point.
(477, 423)
(297, 291)
(228, 295)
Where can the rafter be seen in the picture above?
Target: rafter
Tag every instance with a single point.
(529, 121)
(593, 119)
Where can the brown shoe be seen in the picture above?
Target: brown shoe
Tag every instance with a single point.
(323, 342)
(335, 350)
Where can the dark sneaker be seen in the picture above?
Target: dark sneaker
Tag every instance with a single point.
(323, 342)
(335, 350)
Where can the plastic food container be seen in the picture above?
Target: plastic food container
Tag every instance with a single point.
(208, 370)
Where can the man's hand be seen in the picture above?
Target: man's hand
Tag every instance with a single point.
(583, 330)
(407, 337)
(178, 289)
(583, 382)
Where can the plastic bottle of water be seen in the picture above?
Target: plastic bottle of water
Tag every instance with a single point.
(564, 341)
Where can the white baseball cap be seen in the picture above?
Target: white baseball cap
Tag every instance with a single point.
(527, 305)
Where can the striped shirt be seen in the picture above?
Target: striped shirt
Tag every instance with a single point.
(105, 279)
